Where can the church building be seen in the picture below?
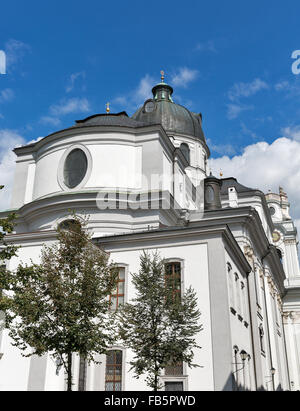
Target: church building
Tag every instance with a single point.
(144, 181)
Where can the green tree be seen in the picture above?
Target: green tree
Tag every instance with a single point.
(61, 305)
(7, 251)
(7, 224)
(158, 324)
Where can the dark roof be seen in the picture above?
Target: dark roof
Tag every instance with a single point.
(232, 182)
(111, 119)
(173, 117)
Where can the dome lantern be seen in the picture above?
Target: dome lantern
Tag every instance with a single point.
(175, 118)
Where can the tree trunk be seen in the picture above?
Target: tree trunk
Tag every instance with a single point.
(155, 383)
(156, 379)
(69, 371)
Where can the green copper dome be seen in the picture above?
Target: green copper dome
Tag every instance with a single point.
(173, 117)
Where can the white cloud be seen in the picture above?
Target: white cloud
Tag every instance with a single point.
(206, 46)
(184, 77)
(15, 51)
(292, 132)
(234, 110)
(144, 88)
(34, 141)
(134, 99)
(121, 100)
(266, 166)
(143, 91)
(64, 107)
(9, 139)
(53, 121)
(72, 80)
(221, 148)
(72, 105)
(291, 89)
(282, 85)
(239, 90)
(6, 95)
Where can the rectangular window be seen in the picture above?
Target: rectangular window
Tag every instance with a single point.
(113, 373)
(174, 386)
(174, 369)
(117, 296)
(173, 277)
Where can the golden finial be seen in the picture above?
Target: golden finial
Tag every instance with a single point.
(107, 108)
(221, 173)
(162, 73)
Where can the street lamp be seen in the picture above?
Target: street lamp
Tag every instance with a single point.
(272, 371)
(243, 355)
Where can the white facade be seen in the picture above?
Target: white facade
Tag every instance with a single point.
(249, 301)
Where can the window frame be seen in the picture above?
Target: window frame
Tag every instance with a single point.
(186, 151)
(182, 270)
(125, 281)
(183, 379)
(61, 167)
(121, 349)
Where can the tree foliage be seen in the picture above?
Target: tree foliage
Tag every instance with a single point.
(61, 305)
(157, 325)
(7, 251)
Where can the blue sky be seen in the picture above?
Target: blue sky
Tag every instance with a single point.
(229, 60)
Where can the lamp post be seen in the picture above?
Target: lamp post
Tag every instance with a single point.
(273, 371)
(244, 356)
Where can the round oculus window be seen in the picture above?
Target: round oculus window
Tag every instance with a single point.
(272, 210)
(75, 168)
(149, 106)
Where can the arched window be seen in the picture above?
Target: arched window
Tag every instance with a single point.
(173, 277)
(113, 372)
(185, 151)
(68, 224)
(117, 296)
